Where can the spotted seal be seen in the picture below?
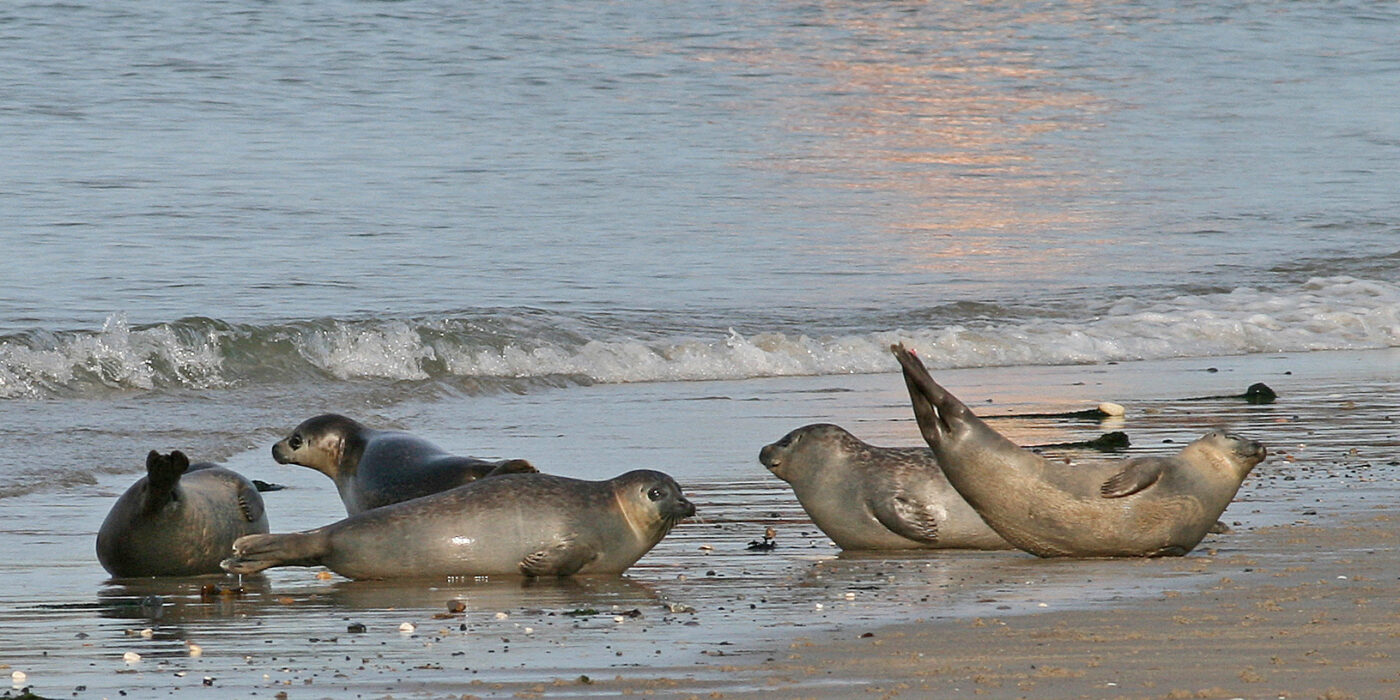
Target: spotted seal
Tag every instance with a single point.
(515, 524)
(1147, 506)
(867, 497)
(373, 468)
(178, 520)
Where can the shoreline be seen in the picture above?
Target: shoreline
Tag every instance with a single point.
(699, 616)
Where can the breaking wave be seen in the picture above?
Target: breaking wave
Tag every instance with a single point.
(507, 349)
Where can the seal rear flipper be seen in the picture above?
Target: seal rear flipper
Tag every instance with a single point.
(934, 407)
(253, 553)
(906, 518)
(563, 559)
(513, 466)
(1135, 476)
(162, 475)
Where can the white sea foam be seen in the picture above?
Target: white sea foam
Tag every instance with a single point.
(1322, 314)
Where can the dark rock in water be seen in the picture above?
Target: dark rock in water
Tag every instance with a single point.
(1108, 442)
(355, 628)
(1259, 393)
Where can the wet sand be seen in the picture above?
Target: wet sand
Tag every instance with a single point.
(1298, 601)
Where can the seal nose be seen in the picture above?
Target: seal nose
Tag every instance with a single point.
(686, 507)
(766, 458)
(277, 454)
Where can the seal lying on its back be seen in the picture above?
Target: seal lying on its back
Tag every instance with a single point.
(373, 468)
(178, 520)
(530, 524)
(867, 497)
(1144, 507)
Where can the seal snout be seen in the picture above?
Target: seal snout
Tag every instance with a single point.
(277, 452)
(684, 508)
(768, 456)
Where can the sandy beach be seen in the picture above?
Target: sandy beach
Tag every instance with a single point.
(1299, 600)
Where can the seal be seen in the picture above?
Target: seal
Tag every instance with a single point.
(515, 524)
(867, 497)
(373, 468)
(178, 520)
(1142, 507)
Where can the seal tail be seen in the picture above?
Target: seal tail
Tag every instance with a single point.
(253, 553)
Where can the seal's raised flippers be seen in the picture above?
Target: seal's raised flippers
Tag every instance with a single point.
(935, 409)
(513, 466)
(162, 475)
(253, 553)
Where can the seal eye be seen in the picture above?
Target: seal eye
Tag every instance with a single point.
(294, 442)
(655, 493)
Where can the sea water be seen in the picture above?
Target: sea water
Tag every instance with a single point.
(605, 236)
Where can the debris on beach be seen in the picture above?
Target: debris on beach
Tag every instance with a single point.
(768, 543)
(131, 657)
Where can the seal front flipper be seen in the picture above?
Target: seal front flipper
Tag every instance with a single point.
(906, 518)
(563, 559)
(250, 504)
(253, 553)
(513, 466)
(1137, 475)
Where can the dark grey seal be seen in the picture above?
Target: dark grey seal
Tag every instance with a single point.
(178, 520)
(1143, 507)
(867, 497)
(515, 524)
(373, 468)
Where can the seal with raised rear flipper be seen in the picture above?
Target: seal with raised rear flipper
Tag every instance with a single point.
(867, 497)
(515, 524)
(373, 468)
(178, 520)
(1142, 507)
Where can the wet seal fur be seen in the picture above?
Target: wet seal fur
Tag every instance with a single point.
(1143, 507)
(867, 497)
(178, 520)
(374, 468)
(515, 524)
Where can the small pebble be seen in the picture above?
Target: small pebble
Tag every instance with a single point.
(501, 616)
(131, 657)
(18, 678)
(196, 650)
(1108, 408)
(850, 596)
(407, 628)
(456, 606)
(147, 633)
(618, 619)
(324, 575)
(820, 606)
